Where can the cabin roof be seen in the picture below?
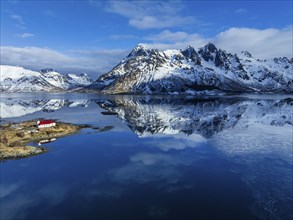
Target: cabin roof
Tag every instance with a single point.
(43, 122)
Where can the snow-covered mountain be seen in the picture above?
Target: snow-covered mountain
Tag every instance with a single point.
(150, 71)
(18, 79)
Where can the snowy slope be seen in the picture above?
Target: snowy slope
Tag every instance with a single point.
(150, 71)
(82, 79)
(18, 79)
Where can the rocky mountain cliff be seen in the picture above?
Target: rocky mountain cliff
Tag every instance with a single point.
(188, 71)
(18, 79)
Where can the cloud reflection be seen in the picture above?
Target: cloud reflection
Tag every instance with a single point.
(17, 200)
(176, 142)
(263, 154)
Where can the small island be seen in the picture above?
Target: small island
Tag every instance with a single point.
(14, 137)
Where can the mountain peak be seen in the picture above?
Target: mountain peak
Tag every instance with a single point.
(210, 47)
(18, 79)
(47, 70)
(148, 71)
(140, 46)
(189, 48)
(246, 53)
(84, 74)
(190, 53)
(208, 52)
(139, 50)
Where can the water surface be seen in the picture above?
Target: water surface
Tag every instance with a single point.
(152, 157)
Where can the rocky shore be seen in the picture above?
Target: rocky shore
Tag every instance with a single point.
(14, 138)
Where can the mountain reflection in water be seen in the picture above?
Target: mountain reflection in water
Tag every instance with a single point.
(205, 117)
(254, 135)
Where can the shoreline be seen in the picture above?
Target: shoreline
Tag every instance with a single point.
(14, 138)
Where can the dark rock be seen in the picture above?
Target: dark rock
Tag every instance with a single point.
(247, 54)
(47, 70)
(191, 54)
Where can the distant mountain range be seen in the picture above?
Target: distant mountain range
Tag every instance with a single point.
(150, 71)
(18, 79)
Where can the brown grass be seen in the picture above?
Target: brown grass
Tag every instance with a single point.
(14, 137)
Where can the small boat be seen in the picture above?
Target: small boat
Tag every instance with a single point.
(109, 113)
(46, 141)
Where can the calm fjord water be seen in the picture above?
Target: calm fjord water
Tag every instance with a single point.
(153, 158)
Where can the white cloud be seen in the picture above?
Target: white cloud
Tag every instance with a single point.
(93, 62)
(266, 43)
(241, 11)
(150, 14)
(49, 13)
(148, 22)
(169, 36)
(18, 19)
(139, 9)
(175, 40)
(25, 35)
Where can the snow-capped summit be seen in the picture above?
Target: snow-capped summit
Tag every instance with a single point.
(18, 79)
(191, 54)
(81, 79)
(150, 71)
(141, 50)
(208, 49)
(246, 53)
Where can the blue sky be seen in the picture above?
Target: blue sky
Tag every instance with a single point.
(92, 36)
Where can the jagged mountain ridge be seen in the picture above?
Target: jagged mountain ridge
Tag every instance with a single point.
(150, 71)
(18, 79)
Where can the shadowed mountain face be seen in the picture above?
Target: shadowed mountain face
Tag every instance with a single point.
(189, 116)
